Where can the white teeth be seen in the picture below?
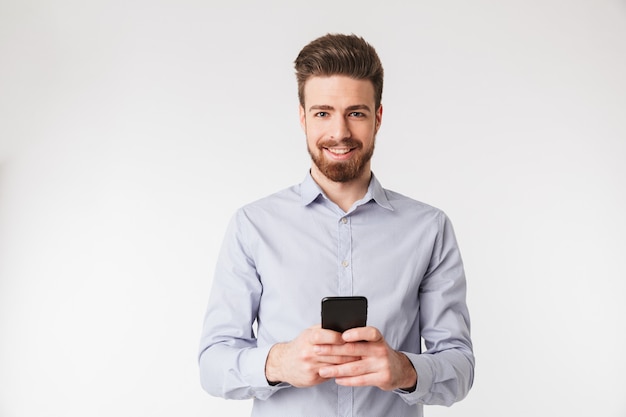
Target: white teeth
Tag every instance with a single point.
(341, 151)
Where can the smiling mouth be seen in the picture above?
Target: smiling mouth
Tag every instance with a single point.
(338, 151)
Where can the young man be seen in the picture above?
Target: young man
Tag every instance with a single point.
(338, 233)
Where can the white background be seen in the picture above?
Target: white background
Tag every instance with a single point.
(131, 130)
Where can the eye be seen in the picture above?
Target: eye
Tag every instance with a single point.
(321, 114)
(357, 114)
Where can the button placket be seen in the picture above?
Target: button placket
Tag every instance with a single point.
(345, 256)
(345, 395)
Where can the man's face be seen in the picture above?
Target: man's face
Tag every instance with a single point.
(340, 123)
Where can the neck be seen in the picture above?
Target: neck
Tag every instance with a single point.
(344, 194)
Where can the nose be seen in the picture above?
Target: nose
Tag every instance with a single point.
(339, 129)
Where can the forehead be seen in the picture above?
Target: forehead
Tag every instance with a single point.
(338, 89)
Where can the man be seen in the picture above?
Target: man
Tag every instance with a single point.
(338, 233)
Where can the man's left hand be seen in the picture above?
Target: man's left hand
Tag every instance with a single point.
(379, 366)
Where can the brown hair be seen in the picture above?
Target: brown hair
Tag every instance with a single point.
(337, 54)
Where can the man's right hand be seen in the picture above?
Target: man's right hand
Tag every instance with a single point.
(297, 362)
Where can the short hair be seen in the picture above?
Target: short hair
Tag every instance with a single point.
(338, 54)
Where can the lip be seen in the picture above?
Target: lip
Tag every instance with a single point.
(342, 154)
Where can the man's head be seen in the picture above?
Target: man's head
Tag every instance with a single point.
(340, 81)
(338, 54)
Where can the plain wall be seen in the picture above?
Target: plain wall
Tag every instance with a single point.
(131, 130)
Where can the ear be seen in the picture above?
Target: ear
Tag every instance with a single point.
(302, 117)
(379, 117)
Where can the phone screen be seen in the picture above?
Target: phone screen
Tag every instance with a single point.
(343, 313)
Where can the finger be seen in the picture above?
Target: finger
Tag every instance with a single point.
(346, 370)
(336, 360)
(369, 334)
(381, 380)
(319, 336)
(355, 349)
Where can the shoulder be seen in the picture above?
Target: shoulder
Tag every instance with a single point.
(408, 206)
(274, 205)
(424, 219)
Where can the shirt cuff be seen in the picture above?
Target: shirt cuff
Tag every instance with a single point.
(424, 379)
(254, 360)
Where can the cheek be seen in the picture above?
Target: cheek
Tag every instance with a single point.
(313, 133)
(311, 140)
(364, 132)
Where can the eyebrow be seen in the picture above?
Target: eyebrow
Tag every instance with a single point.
(349, 108)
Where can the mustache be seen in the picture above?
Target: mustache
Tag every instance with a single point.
(347, 143)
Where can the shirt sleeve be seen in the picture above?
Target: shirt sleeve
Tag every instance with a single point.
(231, 364)
(445, 372)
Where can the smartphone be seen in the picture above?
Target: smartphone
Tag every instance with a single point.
(343, 313)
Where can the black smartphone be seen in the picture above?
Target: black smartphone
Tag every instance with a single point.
(343, 313)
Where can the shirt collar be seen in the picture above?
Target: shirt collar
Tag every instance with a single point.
(310, 191)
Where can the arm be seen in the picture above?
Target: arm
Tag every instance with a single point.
(446, 370)
(231, 364)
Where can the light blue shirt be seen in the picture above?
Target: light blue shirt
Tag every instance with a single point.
(284, 253)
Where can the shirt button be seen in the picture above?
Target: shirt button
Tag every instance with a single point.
(345, 264)
(344, 220)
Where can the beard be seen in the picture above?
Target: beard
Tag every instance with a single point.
(342, 171)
